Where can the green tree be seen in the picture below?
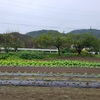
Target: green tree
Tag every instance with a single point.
(17, 43)
(21, 40)
(81, 41)
(96, 45)
(42, 41)
(1, 40)
(7, 41)
(59, 41)
(54, 39)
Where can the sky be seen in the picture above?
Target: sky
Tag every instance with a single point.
(63, 15)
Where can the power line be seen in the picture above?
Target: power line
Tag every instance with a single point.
(38, 10)
(35, 5)
(27, 16)
(53, 8)
(38, 26)
(34, 25)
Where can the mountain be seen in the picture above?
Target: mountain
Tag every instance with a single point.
(95, 32)
(27, 40)
(21, 36)
(37, 33)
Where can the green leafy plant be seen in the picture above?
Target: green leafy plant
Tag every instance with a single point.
(32, 55)
(3, 57)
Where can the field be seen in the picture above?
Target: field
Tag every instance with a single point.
(48, 93)
(71, 68)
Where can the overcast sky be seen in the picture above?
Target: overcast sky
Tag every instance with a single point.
(62, 15)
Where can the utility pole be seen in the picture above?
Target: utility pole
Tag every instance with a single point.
(90, 28)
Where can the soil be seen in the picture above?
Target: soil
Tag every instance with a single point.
(48, 93)
(51, 93)
(90, 59)
(48, 70)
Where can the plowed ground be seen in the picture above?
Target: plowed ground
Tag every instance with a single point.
(48, 70)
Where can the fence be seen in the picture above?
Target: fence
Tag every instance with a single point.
(33, 49)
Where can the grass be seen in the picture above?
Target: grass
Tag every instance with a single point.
(48, 93)
(98, 56)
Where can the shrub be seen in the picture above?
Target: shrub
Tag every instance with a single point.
(31, 55)
(73, 50)
(66, 50)
(86, 53)
(3, 57)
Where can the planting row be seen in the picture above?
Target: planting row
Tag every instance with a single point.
(50, 83)
(53, 63)
(51, 74)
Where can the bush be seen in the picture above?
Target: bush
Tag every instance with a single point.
(31, 55)
(73, 50)
(65, 51)
(3, 57)
(86, 53)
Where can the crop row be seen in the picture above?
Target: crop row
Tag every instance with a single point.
(50, 83)
(53, 63)
(92, 75)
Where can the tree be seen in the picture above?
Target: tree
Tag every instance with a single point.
(21, 40)
(17, 43)
(7, 41)
(81, 41)
(58, 40)
(76, 41)
(96, 45)
(54, 39)
(1, 40)
(42, 41)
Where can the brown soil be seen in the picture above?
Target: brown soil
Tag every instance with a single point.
(48, 70)
(48, 93)
(90, 59)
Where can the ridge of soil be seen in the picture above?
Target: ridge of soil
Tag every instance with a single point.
(90, 59)
(53, 70)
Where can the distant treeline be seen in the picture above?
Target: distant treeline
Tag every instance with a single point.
(50, 39)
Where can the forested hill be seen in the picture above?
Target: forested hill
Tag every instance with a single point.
(37, 33)
(20, 36)
(27, 41)
(95, 32)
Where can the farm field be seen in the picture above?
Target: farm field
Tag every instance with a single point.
(48, 93)
(90, 59)
(50, 50)
(50, 70)
(72, 65)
